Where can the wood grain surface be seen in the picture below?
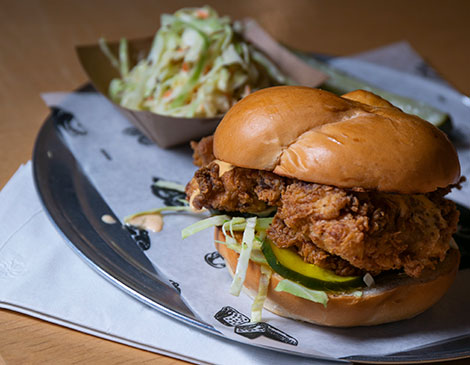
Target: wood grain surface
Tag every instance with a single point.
(37, 40)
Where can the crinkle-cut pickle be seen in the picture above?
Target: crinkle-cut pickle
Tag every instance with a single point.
(290, 265)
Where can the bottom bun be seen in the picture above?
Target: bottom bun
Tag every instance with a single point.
(392, 298)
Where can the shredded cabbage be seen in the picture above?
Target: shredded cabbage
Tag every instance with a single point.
(107, 52)
(216, 220)
(158, 211)
(169, 185)
(254, 232)
(123, 58)
(296, 289)
(255, 256)
(258, 302)
(239, 224)
(243, 260)
(229, 238)
(357, 293)
(198, 65)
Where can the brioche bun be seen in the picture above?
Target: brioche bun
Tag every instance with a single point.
(393, 297)
(357, 140)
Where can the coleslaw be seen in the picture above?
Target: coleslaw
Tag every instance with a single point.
(198, 66)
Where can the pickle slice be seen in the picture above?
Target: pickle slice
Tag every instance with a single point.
(290, 265)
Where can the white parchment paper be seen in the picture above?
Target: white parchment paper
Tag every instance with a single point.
(122, 166)
(41, 276)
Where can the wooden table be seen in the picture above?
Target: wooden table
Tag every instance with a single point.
(37, 40)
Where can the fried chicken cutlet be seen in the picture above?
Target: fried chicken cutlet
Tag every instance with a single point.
(343, 230)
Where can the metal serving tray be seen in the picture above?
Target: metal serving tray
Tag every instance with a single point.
(76, 208)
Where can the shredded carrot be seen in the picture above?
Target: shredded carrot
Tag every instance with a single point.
(202, 14)
(185, 66)
(207, 69)
(167, 94)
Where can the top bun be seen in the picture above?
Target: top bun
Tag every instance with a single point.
(357, 140)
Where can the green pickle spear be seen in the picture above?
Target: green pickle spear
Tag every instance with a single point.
(341, 83)
(290, 265)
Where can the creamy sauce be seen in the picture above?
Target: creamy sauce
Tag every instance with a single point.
(106, 218)
(152, 222)
(191, 200)
(223, 167)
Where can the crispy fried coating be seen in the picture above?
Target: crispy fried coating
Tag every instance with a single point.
(203, 151)
(250, 191)
(373, 231)
(347, 231)
(238, 190)
(283, 237)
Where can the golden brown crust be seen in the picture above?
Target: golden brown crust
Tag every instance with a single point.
(203, 153)
(391, 300)
(358, 140)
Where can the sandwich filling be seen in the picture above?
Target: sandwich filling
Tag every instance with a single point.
(347, 231)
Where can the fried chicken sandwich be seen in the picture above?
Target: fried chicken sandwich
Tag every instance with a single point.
(330, 209)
